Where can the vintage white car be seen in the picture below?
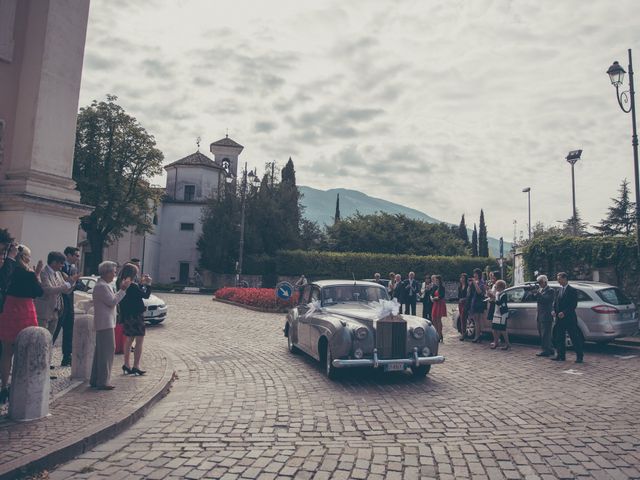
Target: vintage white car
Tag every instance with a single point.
(155, 310)
(346, 324)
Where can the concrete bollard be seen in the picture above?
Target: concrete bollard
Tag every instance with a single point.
(84, 344)
(30, 384)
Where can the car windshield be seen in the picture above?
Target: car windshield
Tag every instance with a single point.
(353, 293)
(614, 296)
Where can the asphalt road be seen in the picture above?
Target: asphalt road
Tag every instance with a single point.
(244, 407)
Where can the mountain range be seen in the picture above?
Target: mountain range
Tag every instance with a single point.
(320, 205)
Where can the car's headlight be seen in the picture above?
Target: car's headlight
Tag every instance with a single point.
(418, 333)
(361, 333)
(426, 352)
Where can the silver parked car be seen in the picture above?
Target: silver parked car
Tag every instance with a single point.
(604, 312)
(155, 309)
(343, 324)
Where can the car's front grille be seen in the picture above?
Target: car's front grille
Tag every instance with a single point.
(391, 337)
(152, 307)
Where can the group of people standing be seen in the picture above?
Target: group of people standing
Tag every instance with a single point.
(43, 295)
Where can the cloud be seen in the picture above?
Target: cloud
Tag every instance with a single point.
(264, 126)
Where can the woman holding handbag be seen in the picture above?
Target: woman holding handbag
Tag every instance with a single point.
(500, 316)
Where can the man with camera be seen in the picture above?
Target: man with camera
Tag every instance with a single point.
(544, 296)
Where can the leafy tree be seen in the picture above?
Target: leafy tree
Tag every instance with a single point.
(621, 217)
(474, 242)
(289, 203)
(574, 226)
(114, 160)
(311, 235)
(462, 231)
(218, 244)
(396, 234)
(483, 242)
(336, 217)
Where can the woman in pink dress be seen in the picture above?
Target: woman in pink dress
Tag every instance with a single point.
(19, 311)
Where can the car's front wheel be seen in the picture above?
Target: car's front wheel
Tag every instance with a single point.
(420, 370)
(330, 370)
(292, 348)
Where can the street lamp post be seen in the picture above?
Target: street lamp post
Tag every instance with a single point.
(248, 179)
(616, 75)
(572, 158)
(527, 190)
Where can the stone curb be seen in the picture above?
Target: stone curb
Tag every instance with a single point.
(63, 452)
(628, 341)
(248, 307)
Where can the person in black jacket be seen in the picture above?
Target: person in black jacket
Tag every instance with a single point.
(131, 316)
(8, 252)
(398, 290)
(411, 291)
(564, 308)
(425, 292)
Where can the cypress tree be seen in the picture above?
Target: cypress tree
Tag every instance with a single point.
(474, 242)
(336, 217)
(621, 217)
(483, 242)
(462, 231)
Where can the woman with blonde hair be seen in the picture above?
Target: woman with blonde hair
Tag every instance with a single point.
(499, 320)
(19, 311)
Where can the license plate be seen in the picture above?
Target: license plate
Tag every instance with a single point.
(394, 367)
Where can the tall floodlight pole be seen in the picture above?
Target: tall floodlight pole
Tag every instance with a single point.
(572, 158)
(616, 75)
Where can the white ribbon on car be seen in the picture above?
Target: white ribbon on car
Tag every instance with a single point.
(314, 306)
(387, 307)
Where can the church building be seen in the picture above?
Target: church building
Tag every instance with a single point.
(170, 253)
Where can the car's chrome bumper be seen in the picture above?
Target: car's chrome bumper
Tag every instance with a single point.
(376, 362)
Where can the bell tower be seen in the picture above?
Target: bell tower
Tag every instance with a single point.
(225, 153)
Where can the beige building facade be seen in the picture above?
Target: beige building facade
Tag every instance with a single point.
(41, 54)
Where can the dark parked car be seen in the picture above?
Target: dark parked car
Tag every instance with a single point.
(342, 324)
(604, 312)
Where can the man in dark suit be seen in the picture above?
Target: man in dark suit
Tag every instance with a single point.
(411, 290)
(564, 308)
(545, 298)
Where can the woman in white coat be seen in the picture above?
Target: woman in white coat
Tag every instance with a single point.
(104, 315)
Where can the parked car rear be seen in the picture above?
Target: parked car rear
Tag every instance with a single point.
(604, 312)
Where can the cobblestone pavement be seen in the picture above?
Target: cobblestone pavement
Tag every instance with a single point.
(246, 408)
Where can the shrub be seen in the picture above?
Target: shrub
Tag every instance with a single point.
(318, 265)
(261, 298)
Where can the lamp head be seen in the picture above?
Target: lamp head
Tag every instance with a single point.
(526, 189)
(616, 74)
(574, 156)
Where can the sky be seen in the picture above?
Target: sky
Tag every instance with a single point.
(444, 106)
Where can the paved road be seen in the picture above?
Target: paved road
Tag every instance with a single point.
(244, 407)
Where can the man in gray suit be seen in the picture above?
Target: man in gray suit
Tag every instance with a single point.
(49, 307)
(545, 295)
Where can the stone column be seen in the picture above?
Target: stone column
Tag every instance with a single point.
(41, 54)
(30, 384)
(84, 344)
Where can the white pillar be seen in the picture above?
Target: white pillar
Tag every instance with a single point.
(30, 383)
(41, 54)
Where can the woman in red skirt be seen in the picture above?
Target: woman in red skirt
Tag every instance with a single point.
(439, 308)
(19, 311)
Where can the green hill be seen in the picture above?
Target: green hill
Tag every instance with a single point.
(320, 207)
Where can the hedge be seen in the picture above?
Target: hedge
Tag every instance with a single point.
(318, 265)
(581, 254)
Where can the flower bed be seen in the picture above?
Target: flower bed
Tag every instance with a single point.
(259, 298)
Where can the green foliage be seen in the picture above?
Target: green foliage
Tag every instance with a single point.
(483, 242)
(336, 216)
(621, 216)
(398, 234)
(346, 265)
(114, 160)
(273, 221)
(577, 255)
(474, 242)
(462, 231)
(575, 226)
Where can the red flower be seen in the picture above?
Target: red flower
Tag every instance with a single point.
(261, 298)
